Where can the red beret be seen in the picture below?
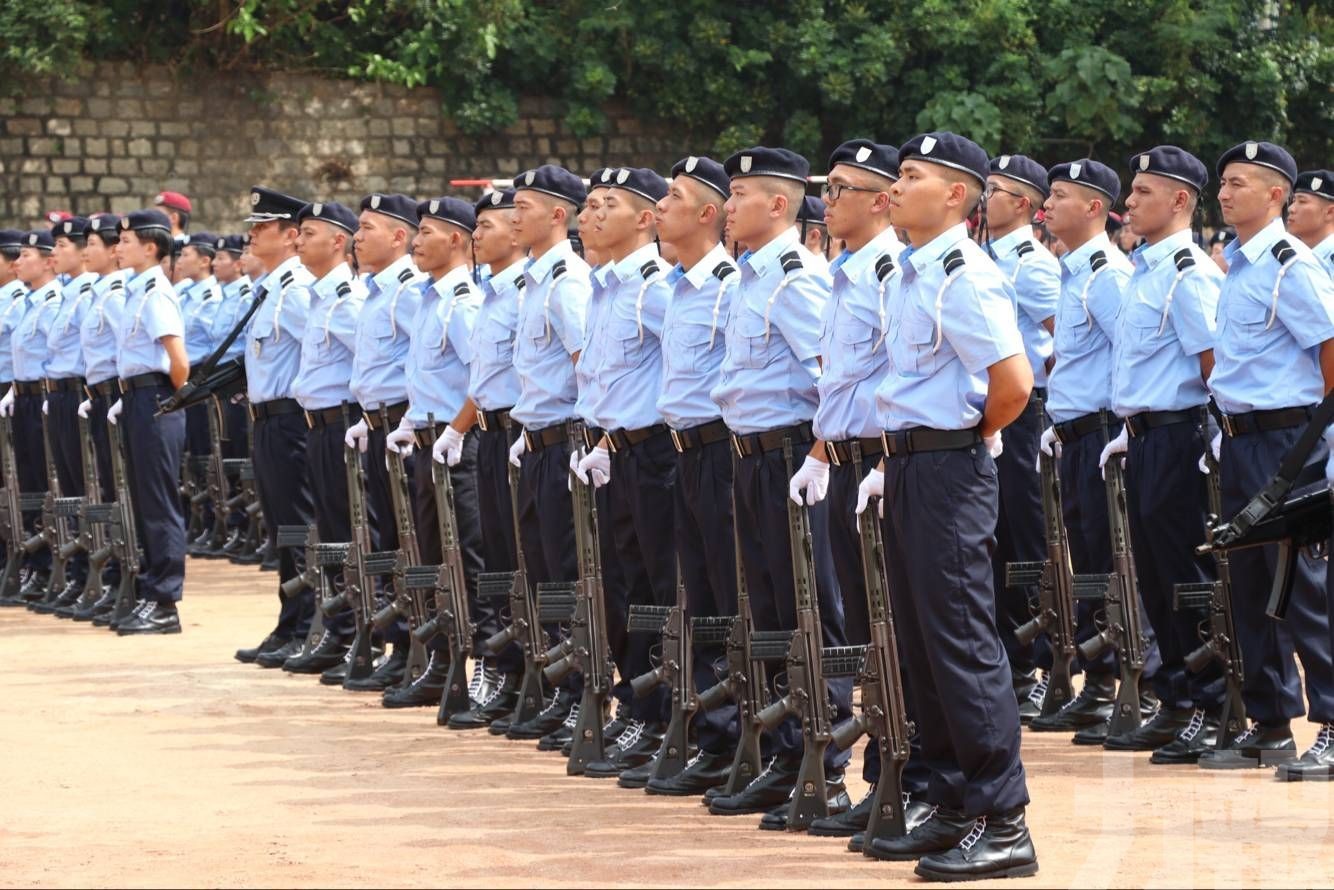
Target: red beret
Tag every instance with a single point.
(174, 200)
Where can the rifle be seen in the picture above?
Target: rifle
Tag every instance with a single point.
(1121, 609)
(524, 630)
(217, 478)
(674, 670)
(16, 503)
(88, 539)
(123, 537)
(310, 575)
(51, 535)
(586, 650)
(194, 489)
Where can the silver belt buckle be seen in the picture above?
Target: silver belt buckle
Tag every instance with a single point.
(481, 422)
(831, 450)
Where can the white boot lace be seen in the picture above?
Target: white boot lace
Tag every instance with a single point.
(973, 836)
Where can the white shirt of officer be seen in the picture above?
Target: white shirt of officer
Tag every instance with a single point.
(1036, 277)
(694, 339)
(273, 340)
(441, 348)
(329, 340)
(151, 313)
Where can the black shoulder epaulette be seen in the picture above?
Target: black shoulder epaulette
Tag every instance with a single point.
(1097, 261)
(722, 270)
(245, 290)
(558, 269)
(648, 269)
(403, 275)
(1282, 251)
(286, 279)
(1184, 259)
(791, 262)
(118, 284)
(953, 260)
(1025, 248)
(85, 288)
(343, 290)
(883, 267)
(152, 283)
(461, 289)
(521, 283)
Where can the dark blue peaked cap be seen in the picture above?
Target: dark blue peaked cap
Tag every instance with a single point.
(1093, 174)
(1174, 163)
(331, 212)
(498, 200)
(762, 161)
(882, 160)
(1316, 182)
(1263, 154)
(550, 179)
(451, 210)
(1022, 169)
(145, 221)
(703, 170)
(948, 150)
(267, 205)
(400, 207)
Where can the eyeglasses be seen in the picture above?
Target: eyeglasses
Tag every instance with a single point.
(832, 191)
(991, 190)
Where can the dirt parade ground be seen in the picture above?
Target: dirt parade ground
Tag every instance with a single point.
(159, 762)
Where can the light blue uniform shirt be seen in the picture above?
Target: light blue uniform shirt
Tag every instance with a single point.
(854, 329)
(442, 347)
(236, 299)
(773, 339)
(273, 337)
(551, 329)
(205, 301)
(97, 334)
(1036, 277)
(151, 313)
(492, 381)
(1272, 318)
(1324, 251)
(1167, 320)
(620, 367)
(62, 340)
(13, 306)
(694, 338)
(943, 332)
(598, 301)
(31, 354)
(1087, 315)
(330, 338)
(384, 334)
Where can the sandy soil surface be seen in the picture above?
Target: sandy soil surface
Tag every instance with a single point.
(162, 762)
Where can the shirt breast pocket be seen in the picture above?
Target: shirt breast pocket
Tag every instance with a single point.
(1245, 326)
(853, 341)
(626, 347)
(914, 349)
(499, 341)
(749, 340)
(687, 346)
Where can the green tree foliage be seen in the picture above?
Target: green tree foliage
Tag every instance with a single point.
(1053, 78)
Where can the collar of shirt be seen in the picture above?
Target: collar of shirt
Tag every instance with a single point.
(443, 287)
(769, 255)
(46, 291)
(104, 282)
(1261, 241)
(13, 290)
(855, 263)
(629, 266)
(598, 274)
(1153, 254)
(699, 274)
(539, 267)
(1077, 260)
(503, 282)
(1010, 243)
(291, 264)
(140, 281)
(937, 247)
(1325, 249)
(386, 279)
(328, 285)
(204, 287)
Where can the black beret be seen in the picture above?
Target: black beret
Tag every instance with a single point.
(400, 207)
(205, 242)
(1022, 169)
(234, 244)
(640, 181)
(1222, 236)
(266, 205)
(1086, 172)
(105, 225)
(39, 239)
(703, 170)
(451, 210)
(331, 212)
(1262, 154)
(145, 221)
(812, 210)
(948, 150)
(498, 200)
(1172, 162)
(762, 161)
(1316, 182)
(601, 178)
(882, 160)
(74, 227)
(558, 182)
(12, 239)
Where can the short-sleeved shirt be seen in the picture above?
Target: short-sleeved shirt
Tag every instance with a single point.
(62, 340)
(204, 299)
(694, 338)
(769, 369)
(237, 296)
(441, 347)
(951, 318)
(852, 341)
(97, 333)
(276, 330)
(330, 337)
(1324, 251)
(1275, 309)
(492, 381)
(1167, 320)
(551, 330)
(151, 313)
(13, 306)
(1036, 277)
(31, 354)
(384, 335)
(1093, 280)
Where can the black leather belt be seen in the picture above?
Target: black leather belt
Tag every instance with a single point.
(900, 442)
(273, 408)
(770, 440)
(536, 440)
(393, 414)
(622, 440)
(322, 417)
(142, 381)
(492, 421)
(65, 384)
(425, 437)
(1141, 423)
(107, 389)
(1264, 421)
(699, 436)
(840, 453)
(1070, 430)
(27, 387)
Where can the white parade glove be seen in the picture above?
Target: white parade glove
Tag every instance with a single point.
(1049, 444)
(7, 403)
(813, 478)
(113, 412)
(1116, 446)
(518, 448)
(45, 412)
(576, 455)
(448, 448)
(995, 444)
(1216, 446)
(595, 467)
(401, 440)
(871, 486)
(358, 436)
(85, 408)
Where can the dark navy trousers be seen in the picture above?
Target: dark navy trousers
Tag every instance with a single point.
(329, 501)
(30, 462)
(384, 533)
(283, 479)
(154, 469)
(1019, 532)
(496, 518)
(66, 446)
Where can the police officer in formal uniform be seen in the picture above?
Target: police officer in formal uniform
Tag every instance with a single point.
(1163, 351)
(958, 374)
(493, 388)
(1093, 273)
(766, 394)
(1274, 360)
(272, 359)
(550, 335)
(324, 245)
(814, 230)
(13, 301)
(690, 220)
(1311, 214)
(200, 300)
(152, 365)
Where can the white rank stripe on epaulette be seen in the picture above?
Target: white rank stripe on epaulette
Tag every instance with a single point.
(1184, 263)
(341, 293)
(884, 270)
(955, 265)
(1097, 262)
(650, 273)
(792, 270)
(404, 276)
(722, 272)
(461, 290)
(1287, 258)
